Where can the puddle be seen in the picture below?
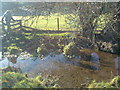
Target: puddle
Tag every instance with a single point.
(70, 73)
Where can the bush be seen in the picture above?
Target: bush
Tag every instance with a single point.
(108, 47)
(42, 51)
(71, 49)
(114, 83)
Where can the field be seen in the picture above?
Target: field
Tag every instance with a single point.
(46, 22)
(50, 22)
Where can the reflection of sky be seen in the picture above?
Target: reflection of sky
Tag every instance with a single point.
(5, 63)
(29, 64)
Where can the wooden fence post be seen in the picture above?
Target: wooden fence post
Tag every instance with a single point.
(58, 24)
(20, 24)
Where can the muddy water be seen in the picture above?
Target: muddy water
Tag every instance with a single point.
(71, 73)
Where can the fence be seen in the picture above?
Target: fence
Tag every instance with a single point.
(12, 25)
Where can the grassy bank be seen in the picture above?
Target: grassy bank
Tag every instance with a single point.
(17, 80)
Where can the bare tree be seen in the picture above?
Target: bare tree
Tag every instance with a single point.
(87, 15)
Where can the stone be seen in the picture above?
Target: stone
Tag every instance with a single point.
(117, 65)
(95, 61)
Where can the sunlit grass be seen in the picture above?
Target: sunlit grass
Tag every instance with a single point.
(50, 22)
(46, 22)
(53, 34)
(30, 36)
(114, 83)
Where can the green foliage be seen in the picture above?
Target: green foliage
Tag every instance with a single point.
(114, 83)
(103, 20)
(9, 79)
(17, 80)
(13, 49)
(28, 83)
(42, 50)
(71, 49)
(48, 81)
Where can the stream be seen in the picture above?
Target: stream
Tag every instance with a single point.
(71, 73)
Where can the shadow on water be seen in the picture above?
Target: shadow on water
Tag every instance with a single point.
(87, 66)
(79, 63)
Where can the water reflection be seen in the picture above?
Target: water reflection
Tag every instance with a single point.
(5, 63)
(73, 71)
(30, 63)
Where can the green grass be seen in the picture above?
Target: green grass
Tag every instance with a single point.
(114, 83)
(47, 22)
(50, 22)
(53, 34)
(17, 80)
(30, 35)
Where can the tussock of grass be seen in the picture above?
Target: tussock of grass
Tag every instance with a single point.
(114, 83)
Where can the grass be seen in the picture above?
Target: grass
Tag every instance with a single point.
(114, 83)
(30, 35)
(47, 22)
(53, 34)
(17, 80)
(50, 22)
